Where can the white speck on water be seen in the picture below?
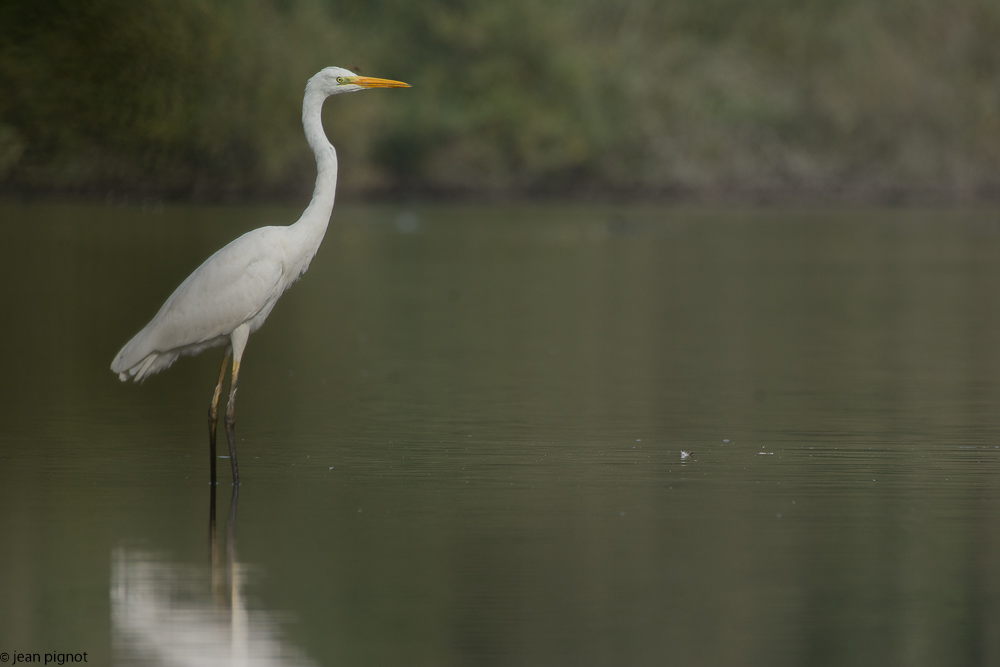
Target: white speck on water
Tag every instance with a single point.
(685, 455)
(725, 440)
(407, 222)
(330, 468)
(223, 456)
(638, 439)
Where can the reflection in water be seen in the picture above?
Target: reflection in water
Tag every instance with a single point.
(166, 613)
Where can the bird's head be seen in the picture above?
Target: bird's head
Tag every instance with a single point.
(334, 80)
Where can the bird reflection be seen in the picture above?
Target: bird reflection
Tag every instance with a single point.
(167, 613)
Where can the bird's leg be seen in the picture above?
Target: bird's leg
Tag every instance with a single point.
(213, 415)
(231, 528)
(212, 551)
(231, 421)
(238, 341)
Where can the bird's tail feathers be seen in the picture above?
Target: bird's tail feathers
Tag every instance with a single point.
(152, 363)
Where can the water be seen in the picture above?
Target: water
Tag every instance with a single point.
(460, 441)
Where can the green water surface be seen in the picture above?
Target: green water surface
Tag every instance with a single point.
(461, 441)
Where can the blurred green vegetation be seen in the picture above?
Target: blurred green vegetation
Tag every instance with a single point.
(868, 99)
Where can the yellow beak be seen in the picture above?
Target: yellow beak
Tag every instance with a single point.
(371, 82)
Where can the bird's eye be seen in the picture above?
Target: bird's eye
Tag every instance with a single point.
(341, 79)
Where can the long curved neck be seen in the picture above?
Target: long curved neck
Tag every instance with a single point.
(316, 217)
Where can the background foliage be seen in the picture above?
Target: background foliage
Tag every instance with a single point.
(775, 98)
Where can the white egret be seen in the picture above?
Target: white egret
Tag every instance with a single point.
(230, 295)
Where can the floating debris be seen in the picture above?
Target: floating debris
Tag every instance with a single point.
(686, 455)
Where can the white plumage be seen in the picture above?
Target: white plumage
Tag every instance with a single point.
(237, 286)
(230, 295)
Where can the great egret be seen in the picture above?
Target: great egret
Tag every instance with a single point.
(229, 296)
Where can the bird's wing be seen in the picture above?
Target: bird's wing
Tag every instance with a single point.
(231, 287)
